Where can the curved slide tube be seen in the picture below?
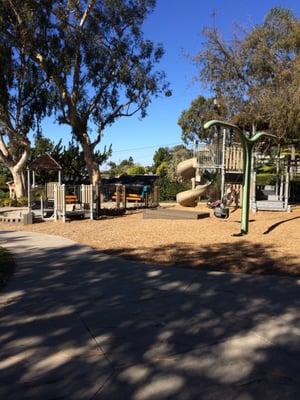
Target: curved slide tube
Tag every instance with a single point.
(186, 169)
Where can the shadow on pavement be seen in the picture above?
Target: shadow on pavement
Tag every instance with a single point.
(76, 324)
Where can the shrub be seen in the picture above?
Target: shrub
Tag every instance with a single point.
(22, 201)
(266, 179)
(168, 189)
(8, 202)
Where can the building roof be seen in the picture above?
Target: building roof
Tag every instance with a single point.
(45, 163)
(131, 180)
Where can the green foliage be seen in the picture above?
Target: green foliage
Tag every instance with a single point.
(126, 166)
(266, 169)
(95, 58)
(162, 155)
(257, 75)
(266, 179)
(6, 201)
(168, 189)
(136, 170)
(24, 94)
(166, 160)
(71, 159)
(3, 194)
(5, 176)
(162, 169)
(201, 110)
(179, 153)
(43, 145)
(22, 201)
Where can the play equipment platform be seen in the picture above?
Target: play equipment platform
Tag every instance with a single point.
(164, 213)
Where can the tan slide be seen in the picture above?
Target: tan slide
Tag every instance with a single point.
(186, 169)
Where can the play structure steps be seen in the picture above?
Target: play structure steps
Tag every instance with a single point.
(11, 219)
(270, 205)
(164, 213)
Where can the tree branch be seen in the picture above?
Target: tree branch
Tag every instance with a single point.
(76, 75)
(4, 154)
(23, 159)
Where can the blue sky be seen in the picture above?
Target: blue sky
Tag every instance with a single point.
(177, 24)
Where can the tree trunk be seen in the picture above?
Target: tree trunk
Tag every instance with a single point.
(91, 164)
(18, 182)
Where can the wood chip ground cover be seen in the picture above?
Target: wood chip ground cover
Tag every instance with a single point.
(272, 246)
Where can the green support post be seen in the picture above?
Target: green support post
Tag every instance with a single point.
(247, 143)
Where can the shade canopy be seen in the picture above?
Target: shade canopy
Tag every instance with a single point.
(45, 163)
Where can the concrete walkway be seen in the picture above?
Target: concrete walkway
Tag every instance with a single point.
(77, 324)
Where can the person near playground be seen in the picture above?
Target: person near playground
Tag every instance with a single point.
(232, 196)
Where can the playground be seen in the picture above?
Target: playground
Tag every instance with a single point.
(272, 245)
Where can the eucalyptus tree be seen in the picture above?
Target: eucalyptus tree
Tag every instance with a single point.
(23, 102)
(96, 58)
(255, 72)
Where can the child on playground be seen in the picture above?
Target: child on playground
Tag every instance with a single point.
(232, 196)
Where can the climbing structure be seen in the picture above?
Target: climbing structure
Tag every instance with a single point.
(219, 154)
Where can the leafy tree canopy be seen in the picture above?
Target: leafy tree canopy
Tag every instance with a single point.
(163, 154)
(255, 74)
(94, 55)
(200, 111)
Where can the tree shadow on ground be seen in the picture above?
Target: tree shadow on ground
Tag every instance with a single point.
(241, 256)
(274, 226)
(77, 324)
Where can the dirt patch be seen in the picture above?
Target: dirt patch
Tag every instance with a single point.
(272, 246)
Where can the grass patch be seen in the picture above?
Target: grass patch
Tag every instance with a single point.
(6, 266)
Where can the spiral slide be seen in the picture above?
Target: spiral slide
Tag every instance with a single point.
(187, 170)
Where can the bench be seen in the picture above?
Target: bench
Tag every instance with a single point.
(71, 199)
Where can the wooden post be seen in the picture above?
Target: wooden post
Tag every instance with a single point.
(59, 177)
(253, 200)
(146, 200)
(91, 198)
(287, 187)
(55, 201)
(33, 179)
(82, 195)
(28, 190)
(156, 196)
(42, 207)
(124, 200)
(118, 195)
(63, 201)
(98, 200)
(281, 187)
(223, 164)
(293, 170)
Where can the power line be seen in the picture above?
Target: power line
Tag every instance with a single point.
(146, 147)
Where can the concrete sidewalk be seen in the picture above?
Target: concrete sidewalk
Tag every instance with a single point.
(77, 324)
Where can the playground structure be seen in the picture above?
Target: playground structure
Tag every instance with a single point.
(129, 192)
(189, 169)
(58, 201)
(65, 202)
(72, 206)
(223, 155)
(275, 195)
(248, 143)
(219, 155)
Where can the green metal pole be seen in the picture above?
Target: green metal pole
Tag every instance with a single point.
(248, 146)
